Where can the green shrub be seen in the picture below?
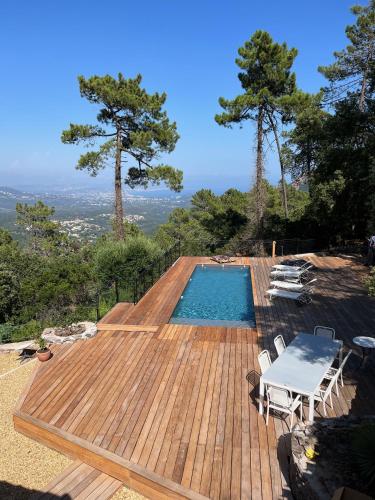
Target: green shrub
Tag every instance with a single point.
(42, 343)
(370, 283)
(18, 333)
(119, 261)
(363, 443)
(6, 331)
(30, 330)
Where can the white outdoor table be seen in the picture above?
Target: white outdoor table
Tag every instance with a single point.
(301, 367)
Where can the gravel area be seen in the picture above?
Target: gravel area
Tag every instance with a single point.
(9, 361)
(25, 465)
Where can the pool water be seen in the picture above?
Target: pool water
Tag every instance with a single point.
(217, 295)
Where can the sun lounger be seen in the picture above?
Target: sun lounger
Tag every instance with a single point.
(294, 275)
(292, 287)
(284, 267)
(300, 297)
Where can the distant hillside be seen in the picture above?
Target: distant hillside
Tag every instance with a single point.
(87, 214)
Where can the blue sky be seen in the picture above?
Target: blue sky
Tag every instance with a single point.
(185, 48)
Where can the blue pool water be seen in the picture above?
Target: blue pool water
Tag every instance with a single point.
(217, 295)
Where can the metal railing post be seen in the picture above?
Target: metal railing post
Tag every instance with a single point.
(135, 290)
(97, 305)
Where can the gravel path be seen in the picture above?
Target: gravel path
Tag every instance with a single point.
(9, 361)
(25, 465)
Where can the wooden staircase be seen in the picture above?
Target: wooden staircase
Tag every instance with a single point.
(81, 482)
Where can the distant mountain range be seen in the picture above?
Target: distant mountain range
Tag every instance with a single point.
(86, 214)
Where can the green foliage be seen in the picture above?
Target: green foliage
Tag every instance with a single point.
(130, 229)
(208, 225)
(370, 283)
(184, 228)
(219, 223)
(363, 443)
(301, 148)
(355, 65)
(119, 261)
(341, 179)
(45, 234)
(155, 175)
(9, 292)
(17, 333)
(265, 77)
(5, 237)
(42, 344)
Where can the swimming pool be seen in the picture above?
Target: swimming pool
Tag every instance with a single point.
(217, 295)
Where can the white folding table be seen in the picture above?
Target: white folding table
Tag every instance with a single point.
(301, 367)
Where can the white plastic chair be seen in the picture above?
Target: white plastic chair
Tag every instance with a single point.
(264, 360)
(324, 331)
(281, 399)
(279, 344)
(323, 394)
(337, 372)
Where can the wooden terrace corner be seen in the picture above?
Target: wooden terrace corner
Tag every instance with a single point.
(171, 410)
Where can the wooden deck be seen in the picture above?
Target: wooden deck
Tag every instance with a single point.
(171, 410)
(80, 482)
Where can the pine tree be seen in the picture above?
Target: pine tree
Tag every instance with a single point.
(132, 127)
(354, 68)
(46, 236)
(266, 78)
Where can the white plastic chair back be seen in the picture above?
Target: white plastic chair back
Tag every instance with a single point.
(328, 390)
(264, 360)
(341, 367)
(324, 331)
(279, 344)
(279, 396)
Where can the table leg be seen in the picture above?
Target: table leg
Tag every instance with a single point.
(311, 408)
(261, 397)
(365, 355)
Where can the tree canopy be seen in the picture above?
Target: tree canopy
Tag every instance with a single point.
(354, 68)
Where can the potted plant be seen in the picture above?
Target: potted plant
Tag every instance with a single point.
(43, 353)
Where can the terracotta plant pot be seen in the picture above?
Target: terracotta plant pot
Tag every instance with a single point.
(43, 354)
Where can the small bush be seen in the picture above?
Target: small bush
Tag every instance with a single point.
(18, 333)
(6, 331)
(370, 283)
(363, 443)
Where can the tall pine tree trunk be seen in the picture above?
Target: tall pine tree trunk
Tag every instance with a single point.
(119, 211)
(363, 93)
(283, 183)
(259, 188)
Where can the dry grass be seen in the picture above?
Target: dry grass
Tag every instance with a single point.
(25, 465)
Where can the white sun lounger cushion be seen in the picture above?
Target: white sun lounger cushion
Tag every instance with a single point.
(293, 287)
(301, 297)
(284, 267)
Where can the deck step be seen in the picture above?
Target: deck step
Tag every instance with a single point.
(82, 482)
(118, 313)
